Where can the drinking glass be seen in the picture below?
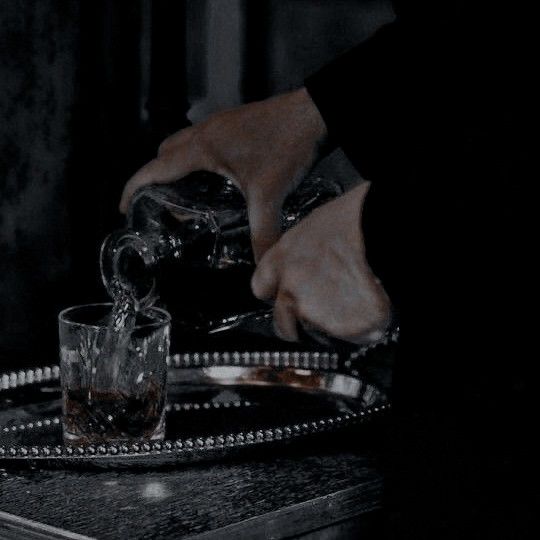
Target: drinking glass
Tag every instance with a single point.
(113, 382)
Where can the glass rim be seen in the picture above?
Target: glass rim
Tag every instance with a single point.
(62, 316)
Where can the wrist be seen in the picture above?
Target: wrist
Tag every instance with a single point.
(354, 205)
(309, 113)
(343, 216)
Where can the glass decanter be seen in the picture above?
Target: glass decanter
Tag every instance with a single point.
(187, 246)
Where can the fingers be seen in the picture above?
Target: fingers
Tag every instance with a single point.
(264, 282)
(284, 317)
(170, 165)
(264, 213)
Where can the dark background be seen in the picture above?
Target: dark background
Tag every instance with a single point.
(89, 89)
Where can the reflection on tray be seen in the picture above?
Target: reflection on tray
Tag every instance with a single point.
(218, 404)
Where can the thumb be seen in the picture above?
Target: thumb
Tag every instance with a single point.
(264, 214)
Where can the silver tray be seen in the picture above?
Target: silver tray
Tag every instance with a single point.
(219, 404)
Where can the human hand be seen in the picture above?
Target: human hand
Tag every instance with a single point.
(265, 148)
(317, 274)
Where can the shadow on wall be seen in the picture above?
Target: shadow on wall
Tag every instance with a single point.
(37, 77)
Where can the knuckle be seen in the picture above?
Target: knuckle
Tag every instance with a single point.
(172, 142)
(293, 280)
(370, 327)
(298, 269)
(166, 146)
(288, 298)
(357, 323)
(281, 254)
(261, 281)
(257, 288)
(381, 310)
(198, 144)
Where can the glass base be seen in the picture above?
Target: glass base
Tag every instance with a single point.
(113, 436)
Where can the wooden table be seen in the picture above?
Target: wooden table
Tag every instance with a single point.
(316, 493)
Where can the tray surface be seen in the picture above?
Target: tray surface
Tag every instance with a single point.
(218, 404)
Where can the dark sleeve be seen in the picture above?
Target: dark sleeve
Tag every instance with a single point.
(380, 101)
(436, 110)
(439, 116)
(424, 96)
(382, 97)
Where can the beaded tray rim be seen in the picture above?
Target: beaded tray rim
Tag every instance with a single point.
(204, 447)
